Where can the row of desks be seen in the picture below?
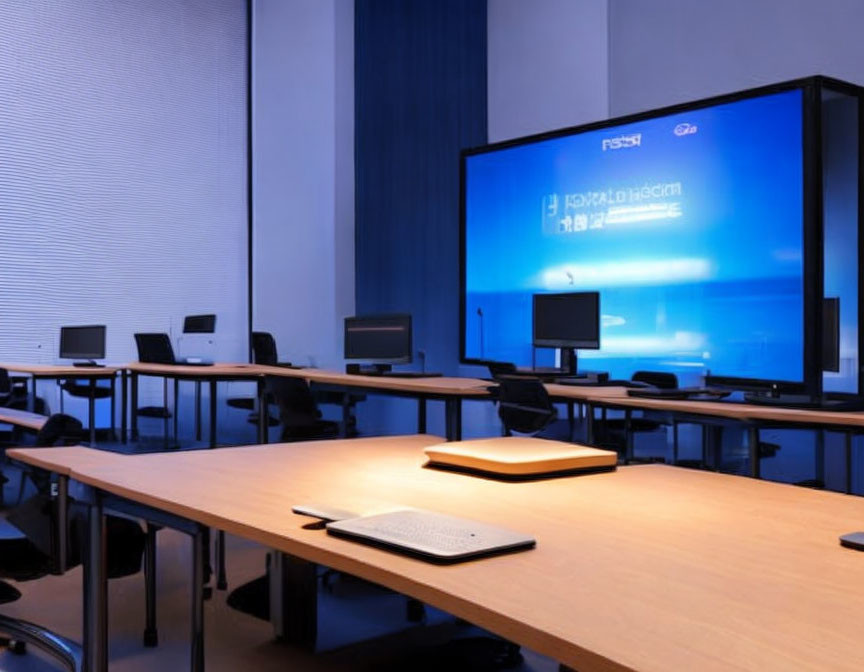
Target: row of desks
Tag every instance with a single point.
(452, 391)
(648, 568)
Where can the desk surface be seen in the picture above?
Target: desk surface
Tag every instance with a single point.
(61, 370)
(66, 459)
(647, 568)
(436, 385)
(617, 396)
(216, 370)
(13, 416)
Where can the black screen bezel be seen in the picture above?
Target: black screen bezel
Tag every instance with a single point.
(812, 233)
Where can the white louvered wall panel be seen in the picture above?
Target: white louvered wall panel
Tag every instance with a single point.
(122, 172)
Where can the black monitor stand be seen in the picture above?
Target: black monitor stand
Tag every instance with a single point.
(569, 361)
(368, 369)
(824, 402)
(88, 363)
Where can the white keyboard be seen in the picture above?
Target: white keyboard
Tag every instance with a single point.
(430, 535)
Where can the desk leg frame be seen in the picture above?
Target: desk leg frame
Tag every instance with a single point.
(453, 418)
(197, 659)
(295, 621)
(95, 592)
(151, 634)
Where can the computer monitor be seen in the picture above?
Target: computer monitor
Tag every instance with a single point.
(82, 343)
(199, 324)
(567, 321)
(378, 338)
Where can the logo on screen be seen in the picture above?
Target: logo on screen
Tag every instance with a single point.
(685, 129)
(622, 141)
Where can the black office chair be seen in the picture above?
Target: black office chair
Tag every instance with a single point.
(615, 434)
(263, 352)
(155, 348)
(498, 369)
(264, 349)
(298, 410)
(82, 388)
(523, 405)
(28, 551)
(59, 429)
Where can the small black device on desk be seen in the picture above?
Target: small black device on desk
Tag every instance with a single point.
(805, 401)
(384, 371)
(688, 393)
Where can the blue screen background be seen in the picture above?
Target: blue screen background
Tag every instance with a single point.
(692, 234)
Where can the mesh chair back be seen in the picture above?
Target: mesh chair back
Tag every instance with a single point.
(660, 379)
(264, 348)
(155, 349)
(297, 406)
(523, 405)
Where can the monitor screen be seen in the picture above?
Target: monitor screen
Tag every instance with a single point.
(199, 324)
(82, 342)
(379, 338)
(569, 320)
(691, 224)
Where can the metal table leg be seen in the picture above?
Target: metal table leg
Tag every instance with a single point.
(133, 410)
(197, 410)
(295, 620)
(62, 530)
(123, 405)
(91, 410)
(95, 592)
(421, 415)
(31, 402)
(453, 419)
(628, 436)
(114, 407)
(213, 413)
(176, 407)
(847, 451)
(263, 413)
(197, 656)
(753, 449)
(221, 578)
(151, 634)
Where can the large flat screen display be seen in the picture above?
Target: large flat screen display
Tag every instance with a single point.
(690, 225)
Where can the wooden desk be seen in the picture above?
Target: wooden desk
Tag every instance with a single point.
(649, 568)
(25, 419)
(60, 372)
(450, 390)
(213, 375)
(751, 415)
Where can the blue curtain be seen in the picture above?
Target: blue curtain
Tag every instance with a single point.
(420, 97)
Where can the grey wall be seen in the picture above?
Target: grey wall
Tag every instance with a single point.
(303, 175)
(670, 51)
(547, 65)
